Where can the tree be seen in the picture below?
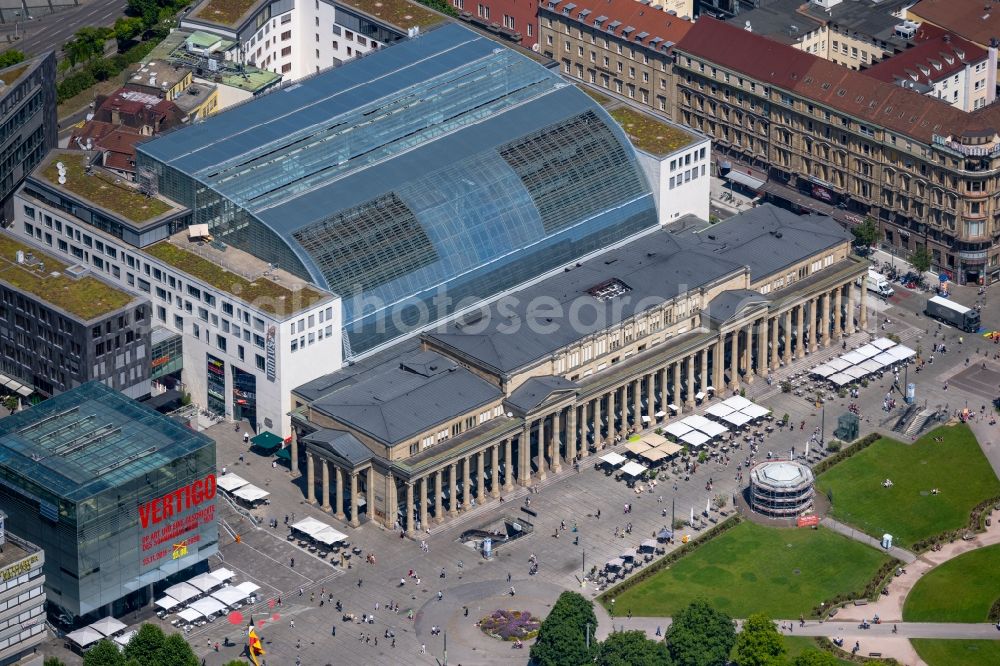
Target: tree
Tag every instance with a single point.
(176, 652)
(146, 644)
(632, 648)
(11, 57)
(700, 636)
(146, 11)
(105, 653)
(127, 28)
(562, 637)
(759, 644)
(921, 259)
(235, 662)
(815, 657)
(53, 661)
(866, 233)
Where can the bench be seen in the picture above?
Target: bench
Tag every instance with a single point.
(530, 512)
(875, 654)
(861, 602)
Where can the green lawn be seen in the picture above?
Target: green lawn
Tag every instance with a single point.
(960, 590)
(783, 572)
(796, 645)
(909, 511)
(941, 652)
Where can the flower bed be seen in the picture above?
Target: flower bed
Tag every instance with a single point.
(510, 625)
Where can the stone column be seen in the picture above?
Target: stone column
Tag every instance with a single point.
(788, 336)
(734, 359)
(555, 459)
(524, 456)
(849, 315)
(813, 324)
(838, 313)
(326, 484)
(598, 437)
(508, 479)
(662, 372)
(689, 362)
(481, 478)
(370, 496)
(612, 428)
(409, 509)
(675, 395)
(310, 478)
(762, 362)
(467, 487)
(338, 499)
(294, 446)
(718, 364)
(775, 358)
(544, 435)
(571, 438)
(423, 502)
(355, 521)
(800, 347)
(825, 316)
(637, 404)
(453, 489)
(495, 470)
(747, 355)
(703, 371)
(438, 491)
(651, 397)
(863, 317)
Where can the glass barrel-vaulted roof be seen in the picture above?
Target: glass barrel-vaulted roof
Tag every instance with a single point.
(445, 162)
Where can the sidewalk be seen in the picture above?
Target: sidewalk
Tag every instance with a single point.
(900, 554)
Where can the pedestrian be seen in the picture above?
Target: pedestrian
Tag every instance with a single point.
(246, 438)
(508, 576)
(333, 630)
(511, 590)
(440, 594)
(598, 514)
(423, 649)
(394, 642)
(291, 624)
(659, 632)
(360, 582)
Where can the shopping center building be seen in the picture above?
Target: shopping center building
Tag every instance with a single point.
(118, 496)
(544, 375)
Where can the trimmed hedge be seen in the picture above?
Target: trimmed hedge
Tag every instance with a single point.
(994, 615)
(827, 645)
(977, 523)
(670, 558)
(846, 453)
(871, 592)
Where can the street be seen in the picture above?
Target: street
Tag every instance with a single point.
(51, 31)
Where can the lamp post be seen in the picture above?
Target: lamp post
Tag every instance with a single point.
(822, 427)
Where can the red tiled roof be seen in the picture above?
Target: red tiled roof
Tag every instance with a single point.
(975, 20)
(95, 130)
(848, 91)
(644, 25)
(927, 61)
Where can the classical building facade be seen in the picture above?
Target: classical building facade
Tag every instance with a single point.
(549, 374)
(926, 170)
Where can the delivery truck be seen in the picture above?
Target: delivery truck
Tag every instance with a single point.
(952, 313)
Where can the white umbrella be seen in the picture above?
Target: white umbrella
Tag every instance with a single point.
(223, 574)
(628, 554)
(205, 582)
(329, 536)
(885, 359)
(868, 350)
(250, 493)
(614, 563)
(613, 459)
(309, 526)
(633, 469)
(673, 407)
(713, 429)
(840, 379)
(696, 421)
(230, 482)
(700, 395)
(660, 414)
(126, 637)
(107, 626)
(737, 402)
(182, 592)
(677, 429)
(883, 343)
(166, 603)
(855, 373)
(229, 596)
(189, 615)
(84, 637)
(756, 411)
(853, 358)
(824, 370)
(901, 352)
(695, 438)
(737, 419)
(871, 366)
(208, 606)
(838, 364)
(719, 410)
(248, 588)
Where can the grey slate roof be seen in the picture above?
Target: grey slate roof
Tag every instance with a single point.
(533, 392)
(726, 305)
(397, 402)
(769, 239)
(340, 443)
(528, 325)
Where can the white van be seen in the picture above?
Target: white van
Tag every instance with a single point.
(879, 284)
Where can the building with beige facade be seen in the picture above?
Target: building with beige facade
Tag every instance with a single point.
(548, 375)
(927, 171)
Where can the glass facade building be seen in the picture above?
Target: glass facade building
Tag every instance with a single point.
(436, 173)
(118, 496)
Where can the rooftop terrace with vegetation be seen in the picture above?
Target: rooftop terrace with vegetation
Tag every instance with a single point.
(224, 12)
(45, 278)
(649, 134)
(400, 13)
(101, 188)
(263, 293)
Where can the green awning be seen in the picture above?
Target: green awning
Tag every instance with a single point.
(267, 441)
(284, 454)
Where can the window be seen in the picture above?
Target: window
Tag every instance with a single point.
(285, 36)
(508, 22)
(287, 51)
(484, 12)
(261, 365)
(220, 342)
(460, 4)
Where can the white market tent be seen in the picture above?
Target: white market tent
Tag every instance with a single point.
(756, 411)
(223, 574)
(868, 350)
(168, 602)
(633, 469)
(871, 366)
(230, 482)
(208, 606)
(677, 429)
(824, 370)
(251, 493)
(886, 359)
(737, 419)
(613, 459)
(108, 626)
(329, 536)
(205, 582)
(856, 372)
(713, 429)
(719, 410)
(309, 526)
(901, 352)
(126, 637)
(840, 379)
(189, 615)
(852, 358)
(229, 596)
(696, 421)
(670, 448)
(84, 637)
(695, 438)
(615, 563)
(637, 447)
(182, 592)
(838, 364)
(247, 588)
(653, 455)
(883, 343)
(737, 402)
(628, 554)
